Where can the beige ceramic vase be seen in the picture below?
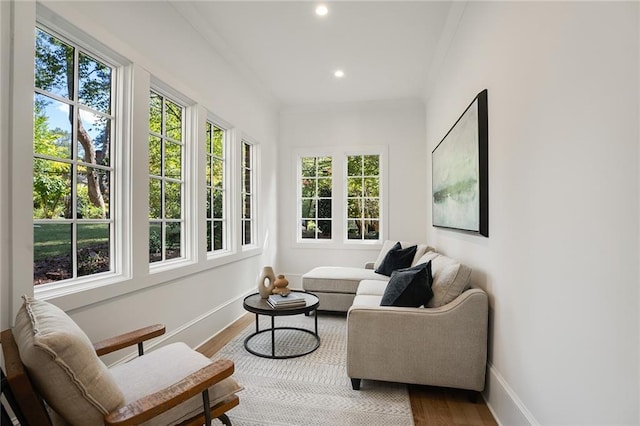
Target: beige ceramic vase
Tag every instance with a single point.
(281, 286)
(266, 289)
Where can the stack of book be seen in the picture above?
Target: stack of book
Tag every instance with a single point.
(286, 302)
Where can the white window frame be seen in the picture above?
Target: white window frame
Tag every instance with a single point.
(381, 196)
(255, 194)
(227, 188)
(120, 250)
(299, 177)
(189, 176)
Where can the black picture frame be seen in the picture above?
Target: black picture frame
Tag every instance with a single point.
(460, 172)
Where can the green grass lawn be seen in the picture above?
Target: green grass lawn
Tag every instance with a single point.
(53, 240)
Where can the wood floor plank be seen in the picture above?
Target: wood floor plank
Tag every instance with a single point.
(431, 406)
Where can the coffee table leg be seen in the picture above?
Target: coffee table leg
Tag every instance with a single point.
(315, 315)
(257, 323)
(273, 336)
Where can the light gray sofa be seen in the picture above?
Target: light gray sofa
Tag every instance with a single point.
(442, 344)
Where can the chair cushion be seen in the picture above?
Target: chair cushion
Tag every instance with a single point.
(410, 287)
(63, 365)
(163, 367)
(450, 279)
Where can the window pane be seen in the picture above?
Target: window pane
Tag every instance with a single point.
(371, 230)
(354, 208)
(209, 129)
(155, 155)
(217, 173)
(354, 187)
(209, 230)
(247, 181)
(52, 127)
(53, 65)
(308, 187)
(372, 208)
(218, 142)
(308, 166)
(94, 88)
(217, 204)
(353, 229)
(371, 187)
(93, 248)
(172, 201)
(173, 120)
(93, 193)
(51, 190)
(155, 113)
(51, 252)
(324, 187)
(324, 229)
(308, 229)
(172, 160)
(246, 155)
(155, 242)
(173, 232)
(324, 166)
(246, 202)
(371, 165)
(309, 208)
(324, 208)
(155, 198)
(218, 235)
(354, 165)
(209, 203)
(94, 134)
(246, 232)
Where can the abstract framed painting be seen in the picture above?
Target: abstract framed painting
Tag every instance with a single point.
(460, 172)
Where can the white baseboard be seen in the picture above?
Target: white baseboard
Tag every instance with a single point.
(503, 402)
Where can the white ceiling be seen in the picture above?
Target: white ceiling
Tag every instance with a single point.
(386, 48)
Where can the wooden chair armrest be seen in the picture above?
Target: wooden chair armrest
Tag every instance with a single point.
(112, 344)
(150, 406)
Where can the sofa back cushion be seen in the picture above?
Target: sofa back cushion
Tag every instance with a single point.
(450, 278)
(63, 364)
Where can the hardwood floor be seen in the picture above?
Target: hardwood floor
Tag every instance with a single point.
(430, 405)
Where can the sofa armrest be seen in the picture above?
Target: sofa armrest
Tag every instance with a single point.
(444, 346)
(369, 265)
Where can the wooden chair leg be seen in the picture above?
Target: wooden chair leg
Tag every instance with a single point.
(355, 384)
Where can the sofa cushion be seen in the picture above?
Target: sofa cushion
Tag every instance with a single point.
(410, 287)
(397, 258)
(63, 364)
(150, 373)
(450, 279)
(372, 287)
(338, 279)
(369, 300)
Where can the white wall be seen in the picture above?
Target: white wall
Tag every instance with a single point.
(397, 125)
(5, 25)
(195, 301)
(561, 262)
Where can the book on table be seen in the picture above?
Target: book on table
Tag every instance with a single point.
(290, 301)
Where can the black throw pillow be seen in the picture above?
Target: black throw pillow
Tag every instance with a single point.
(409, 287)
(397, 258)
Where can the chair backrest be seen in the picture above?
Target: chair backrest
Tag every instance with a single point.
(21, 395)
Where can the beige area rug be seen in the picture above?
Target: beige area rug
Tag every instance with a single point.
(313, 389)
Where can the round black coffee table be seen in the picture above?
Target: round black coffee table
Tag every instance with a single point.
(259, 306)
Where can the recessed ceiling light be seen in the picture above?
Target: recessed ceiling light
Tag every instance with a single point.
(322, 10)
(338, 73)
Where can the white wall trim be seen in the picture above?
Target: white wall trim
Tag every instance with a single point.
(505, 405)
(171, 336)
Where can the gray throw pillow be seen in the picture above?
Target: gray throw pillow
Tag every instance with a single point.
(409, 287)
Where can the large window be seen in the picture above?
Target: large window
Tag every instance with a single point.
(363, 197)
(73, 167)
(248, 194)
(315, 198)
(166, 182)
(217, 228)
